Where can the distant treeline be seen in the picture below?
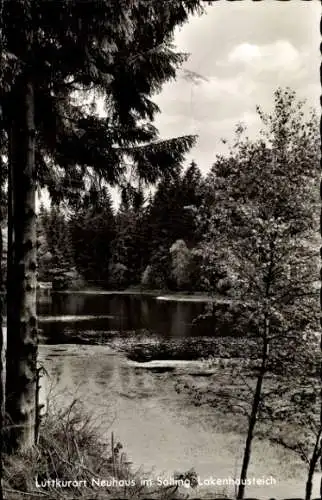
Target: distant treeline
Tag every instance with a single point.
(150, 241)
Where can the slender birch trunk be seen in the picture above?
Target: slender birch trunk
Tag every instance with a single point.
(254, 413)
(312, 466)
(22, 328)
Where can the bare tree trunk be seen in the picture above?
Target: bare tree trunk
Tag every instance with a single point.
(253, 415)
(22, 328)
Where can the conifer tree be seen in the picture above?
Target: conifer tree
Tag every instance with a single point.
(92, 230)
(50, 51)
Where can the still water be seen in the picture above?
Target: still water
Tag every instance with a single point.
(159, 429)
(118, 312)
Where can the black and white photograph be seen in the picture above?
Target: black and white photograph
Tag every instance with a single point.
(160, 239)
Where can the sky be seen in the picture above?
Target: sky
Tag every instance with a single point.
(243, 51)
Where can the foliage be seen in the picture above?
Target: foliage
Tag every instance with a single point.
(116, 249)
(181, 259)
(262, 218)
(116, 62)
(128, 253)
(55, 251)
(92, 229)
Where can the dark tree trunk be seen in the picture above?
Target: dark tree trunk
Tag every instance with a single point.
(22, 327)
(253, 415)
(2, 342)
(312, 465)
(2, 364)
(10, 238)
(321, 332)
(309, 484)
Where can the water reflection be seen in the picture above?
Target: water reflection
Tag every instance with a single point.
(117, 313)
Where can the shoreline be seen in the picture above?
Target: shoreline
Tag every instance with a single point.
(165, 295)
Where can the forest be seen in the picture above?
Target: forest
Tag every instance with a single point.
(246, 232)
(162, 239)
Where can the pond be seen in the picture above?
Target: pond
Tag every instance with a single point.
(118, 312)
(159, 429)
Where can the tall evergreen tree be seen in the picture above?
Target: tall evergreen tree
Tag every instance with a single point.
(55, 248)
(125, 55)
(92, 229)
(172, 217)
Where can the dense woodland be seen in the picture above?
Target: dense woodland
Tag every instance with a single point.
(247, 229)
(162, 239)
(149, 241)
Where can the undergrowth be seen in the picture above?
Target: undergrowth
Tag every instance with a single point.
(70, 448)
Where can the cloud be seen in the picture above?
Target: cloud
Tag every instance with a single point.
(200, 103)
(280, 55)
(245, 52)
(240, 53)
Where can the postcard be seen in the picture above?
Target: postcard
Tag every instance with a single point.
(160, 250)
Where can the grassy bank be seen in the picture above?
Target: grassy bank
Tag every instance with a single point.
(71, 460)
